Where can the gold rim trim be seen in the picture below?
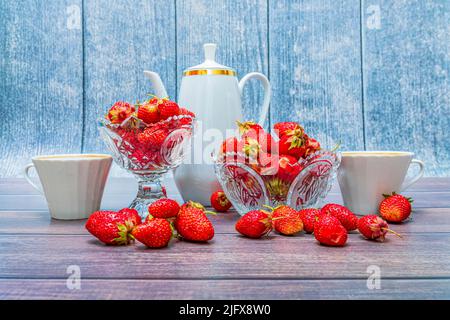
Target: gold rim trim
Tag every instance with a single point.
(209, 72)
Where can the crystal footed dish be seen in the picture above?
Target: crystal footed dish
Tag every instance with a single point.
(148, 151)
(250, 189)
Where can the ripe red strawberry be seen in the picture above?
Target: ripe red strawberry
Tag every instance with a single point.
(289, 168)
(374, 228)
(186, 112)
(149, 112)
(163, 208)
(329, 231)
(192, 223)
(244, 127)
(264, 139)
(113, 228)
(254, 224)
(120, 111)
(286, 220)
(395, 208)
(153, 137)
(229, 145)
(267, 164)
(250, 147)
(154, 233)
(132, 213)
(312, 145)
(281, 128)
(220, 202)
(168, 108)
(293, 143)
(347, 218)
(309, 217)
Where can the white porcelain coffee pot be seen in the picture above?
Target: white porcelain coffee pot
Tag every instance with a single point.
(213, 92)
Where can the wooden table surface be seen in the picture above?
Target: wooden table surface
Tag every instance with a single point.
(35, 252)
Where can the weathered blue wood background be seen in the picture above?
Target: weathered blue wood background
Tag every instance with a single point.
(372, 74)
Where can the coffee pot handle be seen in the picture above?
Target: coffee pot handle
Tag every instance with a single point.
(419, 175)
(267, 92)
(27, 177)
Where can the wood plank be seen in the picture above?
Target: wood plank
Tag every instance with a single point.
(240, 30)
(315, 68)
(434, 289)
(118, 201)
(226, 257)
(406, 79)
(117, 185)
(121, 41)
(424, 220)
(41, 72)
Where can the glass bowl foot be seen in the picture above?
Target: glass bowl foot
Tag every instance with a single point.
(149, 190)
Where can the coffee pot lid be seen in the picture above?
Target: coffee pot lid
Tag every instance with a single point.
(209, 66)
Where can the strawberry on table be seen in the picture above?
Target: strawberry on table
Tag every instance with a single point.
(395, 208)
(133, 213)
(192, 223)
(112, 228)
(309, 217)
(329, 231)
(119, 112)
(254, 224)
(154, 233)
(220, 202)
(286, 220)
(373, 227)
(347, 218)
(163, 208)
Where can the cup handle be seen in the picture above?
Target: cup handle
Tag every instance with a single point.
(27, 177)
(411, 181)
(267, 92)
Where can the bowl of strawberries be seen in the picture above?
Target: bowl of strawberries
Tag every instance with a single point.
(257, 169)
(147, 139)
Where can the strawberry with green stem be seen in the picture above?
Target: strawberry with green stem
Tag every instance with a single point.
(154, 233)
(254, 224)
(119, 112)
(373, 227)
(220, 202)
(286, 220)
(293, 143)
(395, 207)
(112, 228)
(192, 224)
(163, 208)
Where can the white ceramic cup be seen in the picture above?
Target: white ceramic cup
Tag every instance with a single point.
(73, 184)
(364, 176)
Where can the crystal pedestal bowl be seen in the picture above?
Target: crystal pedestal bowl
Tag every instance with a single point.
(148, 152)
(250, 189)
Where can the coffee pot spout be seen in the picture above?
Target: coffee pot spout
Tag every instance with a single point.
(158, 86)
